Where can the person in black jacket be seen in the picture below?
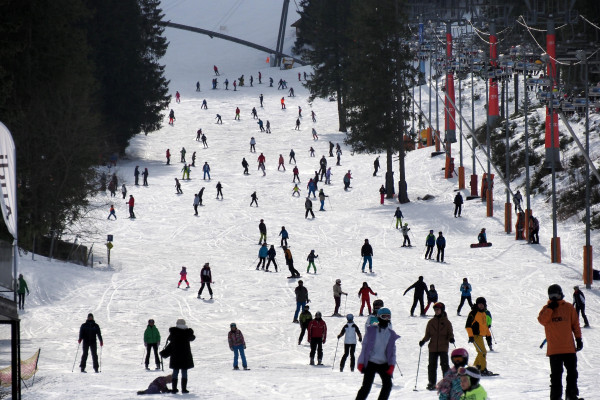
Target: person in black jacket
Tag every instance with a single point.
(458, 201)
(87, 333)
(271, 258)
(366, 251)
(579, 303)
(262, 228)
(420, 290)
(180, 337)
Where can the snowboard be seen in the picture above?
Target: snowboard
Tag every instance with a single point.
(294, 277)
(473, 245)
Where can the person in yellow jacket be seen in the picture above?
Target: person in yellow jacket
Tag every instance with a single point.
(469, 382)
(477, 329)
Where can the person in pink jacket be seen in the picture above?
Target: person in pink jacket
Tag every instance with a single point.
(183, 278)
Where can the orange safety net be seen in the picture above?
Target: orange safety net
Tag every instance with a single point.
(28, 370)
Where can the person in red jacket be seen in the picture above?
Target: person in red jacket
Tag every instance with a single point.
(168, 157)
(183, 278)
(317, 335)
(261, 160)
(561, 323)
(131, 203)
(363, 293)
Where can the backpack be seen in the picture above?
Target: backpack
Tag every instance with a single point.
(536, 223)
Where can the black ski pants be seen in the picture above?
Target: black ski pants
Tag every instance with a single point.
(293, 271)
(303, 327)
(406, 239)
(348, 349)
(309, 210)
(316, 345)
(414, 305)
(569, 361)
(262, 260)
(457, 209)
(440, 252)
(369, 375)
(577, 308)
(462, 301)
(22, 302)
(87, 346)
(149, 347)
(202, 288)
(429, 252)
(272, 260)
(433, 364)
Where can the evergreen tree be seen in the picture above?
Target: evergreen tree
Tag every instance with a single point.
(381, 73)
(323, 42)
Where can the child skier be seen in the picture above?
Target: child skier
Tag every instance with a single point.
(350, 331)
(296, 190)
(363, 293)
(284, 236)
(449, 387)
(405, 230)
(183, 278)
(304, 319)
(311, 261)
(112, 212)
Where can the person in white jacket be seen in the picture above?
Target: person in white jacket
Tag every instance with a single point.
(350, 332)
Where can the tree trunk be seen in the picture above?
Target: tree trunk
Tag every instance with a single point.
(389, 175)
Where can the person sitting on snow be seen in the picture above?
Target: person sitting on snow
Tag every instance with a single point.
(482, 238)
(159, 385)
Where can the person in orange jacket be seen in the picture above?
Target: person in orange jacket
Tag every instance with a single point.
(477, 329)
(561, 323)
(283, 103)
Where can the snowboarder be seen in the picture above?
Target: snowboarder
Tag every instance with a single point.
(458, 202)
(420, 290)
(263, 252)
(308, 208)
(317, 336)
(429, 243)
(376, 166)
(579, 303)
(322, 196)
(439, 334)
(87, 333)
(378, 356)
(311, 261)
(183, 277)
(168, 155)
(219, 190)
(477, 329)
(151, 342)
(22, 288)
(482, 237)
(245, 165)
(284, 236)
(465, 295)
(252, 145)
(262, 228)
(366, 252)
(206, 280)
(180, 337)
(206, 170)
(237, 344)
(432, 297)
(292, 156)
(304, 319)
(131, 204)
(271, 255)
(350, 331)
(363, 294)
(449, 387)
(178, 186)
(112, 212)
(301, 291)
(289, 261)
(440, 243)
(405, 230)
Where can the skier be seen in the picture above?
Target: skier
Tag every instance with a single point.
(281, 163)
(131, 203)
(405, 230)
(337, 297)
(251, 80)
(517, 198)
(183, 277)
(322, 196)
(245, 165)
(579, 303)
(534, 228)
(177, 97)
(376, 166)
(429, 243)
(449, 387)
(254, 113)
(263, 252)
(347, 178)
(350, 331)
(234, 86)
(300, 291)
(311, 261)
(171, 117)
(206, 280)
(112, 189)
(219, 120)
(124, 190)
(112, 212)
(284, 236)
(271, 254)
(458, 202)
(200, 194)
(182, 152)
(311, 151)
(180, 337)
(561, 323)
(440, 243)
(469, 382)
(482, 237)
(261, 98)
(204, 142)
(237, 114)
(465, 295)
(260, 125)
(328, 176)
(136, 174)
(254, 200)
(304, 319)
(439, 334)
(372, 318)
(268, 130)
(290, 92)
(216, 70)
(398, 215)
(378, 356)
(363, 294)
(219, 191)
(226, 84)
(308, 208)
(237, 344)
(296, 190)
(252, 145)
(259, 78)
(366, 252)
(322, 167)
(271, 82)
(151, 342)
(314, 116)
(382, 195)
(197, 86)
(477, 329)
(262, 228)
(22, 288)
(178, 186)
(158, 385)
(338, 153)
(261, 161)
(87, 333)
(296, 174)
(432, 297)
(311, 187)
(299, 110)
(196, 203)
(420, 290)
(168, 155)
(297, 128)
(204, 105)
(289, 261)
(206, 170)
(317, 336)
(292, 156)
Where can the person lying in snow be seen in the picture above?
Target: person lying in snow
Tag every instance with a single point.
(159, 385)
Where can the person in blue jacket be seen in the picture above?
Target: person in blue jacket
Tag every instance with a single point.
(284, 236)
(262, 255)
(311, 188)
(482, 237)
(399, 216)
(465, 295)
(378, 356)
(429, 243)
(440, 242)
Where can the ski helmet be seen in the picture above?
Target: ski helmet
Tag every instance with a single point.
(306, 307)
(440, 305)
(350, 317)
(460, 352)
(555, 292)
(377, 304)
(481, 300)
(338, 281)
(383, 312)
(232, 325)
(318, 314)
(473, 374)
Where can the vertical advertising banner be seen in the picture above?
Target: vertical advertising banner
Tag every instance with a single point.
(8, 202)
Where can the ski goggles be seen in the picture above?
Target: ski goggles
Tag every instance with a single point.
(464, 371)
(387, 317)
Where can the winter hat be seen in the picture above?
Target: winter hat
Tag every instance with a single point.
(377, 304)
(350, 317)
(431, 231)
(555, 292)
(440, 305)
(90, 315)
(575, 287)
(337, 281)
(233, 325)
(481, 300)
(318, 314)
(181, 324)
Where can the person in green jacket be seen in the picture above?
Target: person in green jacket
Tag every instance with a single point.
(21, 291)
(469, 381)
(152, 341)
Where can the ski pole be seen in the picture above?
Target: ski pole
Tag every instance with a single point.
(100, 363)
(543, 343)
(335, 354)
(75, 360)
(252, 263)
(493, 337)
(418, 365)
(399, 370)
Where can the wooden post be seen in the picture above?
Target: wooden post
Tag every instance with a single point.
(508, 217)
(555, 253)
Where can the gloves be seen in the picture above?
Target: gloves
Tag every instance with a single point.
(452, 340)
(360, 339)
(101, 343)
(579, 343)
(231, 348)
(145, 344)
(308, 301)
(361, 367)
(325, 341)
(79, 341)
(553, 305)
(244, 347)
(390, 370)
(345, 294)
(471, 339)
(338, 336)
(421, 343)
(375, 294)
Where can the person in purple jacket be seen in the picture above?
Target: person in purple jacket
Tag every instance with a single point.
(378, 356)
